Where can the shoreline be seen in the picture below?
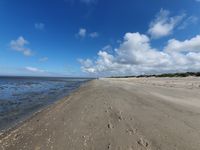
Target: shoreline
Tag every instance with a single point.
(26, 118)
(8, 130)
(137, 114)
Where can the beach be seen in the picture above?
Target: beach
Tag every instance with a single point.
(21, 97)
(116, 114)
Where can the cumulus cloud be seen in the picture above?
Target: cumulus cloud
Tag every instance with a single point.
(191, 45)
(163, 24)
(83, 33)
(87, 65)
(136, 56)
(39, 26)
(19, 45)
(33, 69)
(133, 48)
(94, 35)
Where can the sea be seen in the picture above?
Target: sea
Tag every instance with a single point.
(20, 97)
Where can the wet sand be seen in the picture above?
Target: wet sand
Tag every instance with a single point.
(126, 114)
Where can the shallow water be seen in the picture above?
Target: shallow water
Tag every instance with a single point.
(22, 96)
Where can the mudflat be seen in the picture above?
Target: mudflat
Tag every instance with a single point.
(126, 114)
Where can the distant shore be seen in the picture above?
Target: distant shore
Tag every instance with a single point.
(182, 74)
(116, 113)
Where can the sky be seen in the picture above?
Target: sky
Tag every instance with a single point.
(99, 37)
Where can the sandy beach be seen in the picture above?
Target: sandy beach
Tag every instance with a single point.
(116, 114)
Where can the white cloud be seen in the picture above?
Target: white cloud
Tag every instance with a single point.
(87, 65)
(135, 56)
(188, 21)
(39, 26)
(43, 59)
(94, 35)
(33, 69)
(108, 48)
(19, 45)
(132, 51)
(82, 32)
(163, 24)
(191, 45)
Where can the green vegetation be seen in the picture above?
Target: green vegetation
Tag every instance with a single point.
(185, 74)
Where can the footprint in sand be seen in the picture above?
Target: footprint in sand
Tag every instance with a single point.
(109, 146)
(131, 131)
(110, 126)
(143, 142)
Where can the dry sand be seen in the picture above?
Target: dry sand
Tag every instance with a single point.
(126, 114)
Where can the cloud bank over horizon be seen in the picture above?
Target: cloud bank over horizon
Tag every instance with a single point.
(135, 55)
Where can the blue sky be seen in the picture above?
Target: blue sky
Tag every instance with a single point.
(97, 37)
